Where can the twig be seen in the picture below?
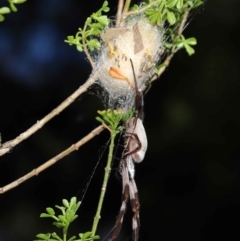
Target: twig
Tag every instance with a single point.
(85, 46)
(119, 13)
(126, 6)
(52, 161)
(171, 53)
(104, 185)
(183, 23)
(6, 147)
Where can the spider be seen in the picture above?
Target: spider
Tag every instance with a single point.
(135, 146)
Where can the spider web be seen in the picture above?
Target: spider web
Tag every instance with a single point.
(120, 101)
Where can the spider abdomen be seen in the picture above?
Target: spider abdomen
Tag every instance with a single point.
(137, 139)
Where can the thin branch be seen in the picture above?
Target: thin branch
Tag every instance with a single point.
(183, 23)
(126, 6)
(171, 53)
(52, 161)
(85, 47)
(6, 147)
(119, 12)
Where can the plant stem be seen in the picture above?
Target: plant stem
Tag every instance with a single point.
(126, 6)
(119, 13)
(64, 237)
(104, 185)
(85, 46)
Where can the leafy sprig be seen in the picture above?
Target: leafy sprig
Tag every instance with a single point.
(169, 14)
(3, 11)
(63, 221)
(170, 11)
(113, 118)
(180, 42)
(88, 36)
(12, 7)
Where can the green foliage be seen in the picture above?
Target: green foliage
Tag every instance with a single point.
(4, 10)
(88, 36)
(170, 11)
(169, 14)
(13, 8)
(62, 221)
(13, 2)
(180, 42)
(113, 118)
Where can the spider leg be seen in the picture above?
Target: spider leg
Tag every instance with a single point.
(134, 200)
(131, 137)
(125, 198)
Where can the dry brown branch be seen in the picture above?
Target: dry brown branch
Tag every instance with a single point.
(119, 13)
(7, 146)
(85, 49)
(52, 161)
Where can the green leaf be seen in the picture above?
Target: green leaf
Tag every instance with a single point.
(86, 235)
(5, 10)
(69, 215)
(73, 202)
(189, 49)
(171, 17)
(102, 20)
(134, 7)
(154, 16)
(1, 18)
(179, 4)
(168, 45)
(171, 3)
(19, 1)
(197, 3)
(44, 215)
(100, 120)
(44, 236)
(56, 237)
(65, 203)
(191, 41)
(79, 48)
(93, 44)
(62, 218)
(59, 225)
(105, 4)
(72, 238)
(12, 6)
(70, 38)
(50, 211)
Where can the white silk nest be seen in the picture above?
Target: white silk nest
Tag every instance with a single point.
(139, 41)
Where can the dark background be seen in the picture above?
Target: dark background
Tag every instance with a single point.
(189, 182)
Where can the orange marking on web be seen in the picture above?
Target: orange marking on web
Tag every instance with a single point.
(115, 73)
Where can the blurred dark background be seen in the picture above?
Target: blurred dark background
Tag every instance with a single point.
(189, 182)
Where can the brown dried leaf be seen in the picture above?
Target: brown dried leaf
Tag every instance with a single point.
(137, 37)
